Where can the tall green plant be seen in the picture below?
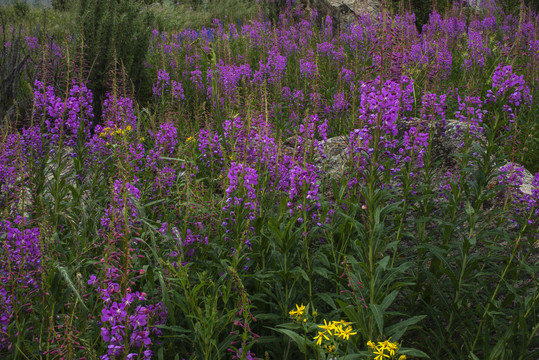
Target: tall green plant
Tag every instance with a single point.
(114, 31)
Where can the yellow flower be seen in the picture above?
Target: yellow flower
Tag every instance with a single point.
(319, 338)
(190, 138)
(328, 327)
(330, 348)
(402, 357)
(345, 334)
(298, 313)
(387, 345)
(380, 349)
(142, 138)
(380, 354)
(128, 128)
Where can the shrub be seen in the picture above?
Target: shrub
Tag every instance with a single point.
(13, 65)
(115, 33)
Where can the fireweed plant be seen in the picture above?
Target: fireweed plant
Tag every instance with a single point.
(291, 190)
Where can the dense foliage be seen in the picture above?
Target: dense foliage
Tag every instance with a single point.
(289, 190)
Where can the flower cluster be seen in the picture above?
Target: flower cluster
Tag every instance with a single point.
(188, 243)
(121, 320)
(231, 75)
(382, 106)
(11, 168)
(165, 144)
(209, 146)
(299, 313)
(509, 89)
(478, 51)
(471, 114)
(107, 131)
(20, 272)
(63, 119)
(385, 350)
(118, 134)
(164, 87)
(272, 70)
(333, 332)
(242, 188)
(122, 208)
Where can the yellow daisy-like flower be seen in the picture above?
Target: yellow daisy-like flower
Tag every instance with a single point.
(321, 335)
(380, 354)
(402, 357)
(392, 348)
(298, 313)
(189, 139)
(371, 345)
(327, 327)
(345, 334)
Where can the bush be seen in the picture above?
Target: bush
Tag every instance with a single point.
(21, 8)
(13, 65)
(115, 33)
(62, 4)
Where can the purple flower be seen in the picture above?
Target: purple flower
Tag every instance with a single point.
(307, 69)
(62, 119)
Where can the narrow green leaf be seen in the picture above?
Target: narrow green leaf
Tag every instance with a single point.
(377, 312)
(299, 340)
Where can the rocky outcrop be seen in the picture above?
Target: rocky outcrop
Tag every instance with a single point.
(343, 11)
(446, 143)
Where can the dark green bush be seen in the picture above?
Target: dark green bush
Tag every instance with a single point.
(115, 32)
(14, 60)
(62, 4)
(21, 8)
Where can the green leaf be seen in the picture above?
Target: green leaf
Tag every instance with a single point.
(322, 272)
(69, 282)
(383, 263)
(302, 272)
(413, 352)
(377, 312)
(397, 330)
(497, 351)
(299, 340)
(327, 299)
(360, 355)
(388, 300)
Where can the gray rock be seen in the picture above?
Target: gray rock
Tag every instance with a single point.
(343, 11)
(336, 152)
(526, 187)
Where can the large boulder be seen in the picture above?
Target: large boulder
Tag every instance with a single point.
(342, 11)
